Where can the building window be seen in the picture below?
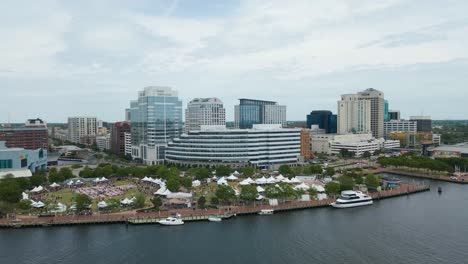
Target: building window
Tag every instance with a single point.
(24, 163)
(6, 164)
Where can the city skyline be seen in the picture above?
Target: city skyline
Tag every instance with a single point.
(72, 59)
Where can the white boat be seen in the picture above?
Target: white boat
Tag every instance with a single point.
(172, 221)
(214, 219)
(266, 212)
(350, 199)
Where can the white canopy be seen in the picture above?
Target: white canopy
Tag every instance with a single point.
(103, 179)
(232, 178)
(78, 182)
(262, 180)
(163, 191)
(37, 189)
(54, 185)
(179, 195)
(38, 204)
(244, 182)
(97, 180)
(25, 196)
(126, 201)
(249, 180)
(59, 208)
(145, 179)
(286, 180)
(222, 181)
(280, 177)
(102, 204)
(260, 197)
(236, 173)
(295, 180)
(302, 186)
(260, 189)
(196, 183)
(271, 180)
(70, 183)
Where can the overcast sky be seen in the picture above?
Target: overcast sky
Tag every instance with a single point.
(68, 58)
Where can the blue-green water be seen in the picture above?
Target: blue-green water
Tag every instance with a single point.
(421, 228)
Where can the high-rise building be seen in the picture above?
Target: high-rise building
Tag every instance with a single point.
(118, 137)
(250, 112)
(82, 130)
(305, 143)
(423, 123)
(204, 111)
(377, 101)
(354, 115)
(103, 142)
(156, 118)
(394, 115)
(386, 112)
(324, 119)
(33, 135)
(399, 126)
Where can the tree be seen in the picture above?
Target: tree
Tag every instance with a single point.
(225, 194)
(346, 183)
(10, 191)
(372, 181)
(273, 192)
(87, 172)
(186, 182)
(24, 204)
(248, 171)
(173, 183)
(55, 177)
(248, 193)
(313, 192)
(332, 188)
(157, 202)
(330, 171)
(314, 169)
(139, 201)
(82, 202)
(286, 190)
(344, 153)
(37, 179)
(286, 170)
(201, 202)
(214, 200)
(366, 155)
(223, 170)
(66, 173)
(201, 173)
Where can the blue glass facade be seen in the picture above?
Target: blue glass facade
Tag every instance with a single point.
(156, 119)
(324, 119)
(251, 112)
(386, 112)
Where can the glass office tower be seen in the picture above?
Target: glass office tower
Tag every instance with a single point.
(156, 118)
(324, 119)
(250, 112)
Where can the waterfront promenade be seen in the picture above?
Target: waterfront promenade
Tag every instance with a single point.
(422, 175)
(133, 217)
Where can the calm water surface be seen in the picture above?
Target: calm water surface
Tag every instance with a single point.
(421, 228)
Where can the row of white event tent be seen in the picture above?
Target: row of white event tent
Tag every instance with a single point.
(127, 201)
(271, 180)
(37, 189)
(77, 182)
(103, 179)
(156, 181)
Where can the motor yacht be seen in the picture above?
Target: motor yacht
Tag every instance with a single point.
(350, 199)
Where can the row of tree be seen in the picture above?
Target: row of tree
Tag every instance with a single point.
(421, 162)
(348, 181)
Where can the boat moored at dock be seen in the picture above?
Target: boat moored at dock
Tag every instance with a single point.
(173, 220)
(349, 199)
(266, 212)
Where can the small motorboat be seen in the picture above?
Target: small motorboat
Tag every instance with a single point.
(266, 212)
(172, 220)
(214, 219)
(439, 189)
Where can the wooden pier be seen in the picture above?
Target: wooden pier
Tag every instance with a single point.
(190, 215)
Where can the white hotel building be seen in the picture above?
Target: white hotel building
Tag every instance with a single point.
(264, 146)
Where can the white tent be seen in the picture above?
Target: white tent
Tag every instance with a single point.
(126, 201)
(37, 204)
(286, 180)
(260, 197)
(37, 189)
(59, 208)
(271, 180)
(295, 180)
(97, 180)
(280, 177)
(103, 179)
(232, 178)
(262, 180)
(25, 196)
(179, 195)
(70, 183)
(78, 182)
(163, 191)
(222, 181)
(54, 185)
(236, 173)
(145, 179)
(244, 182)
(102, 204)
(302, 186)
(196, 183)
(260, 189)
(249, 180)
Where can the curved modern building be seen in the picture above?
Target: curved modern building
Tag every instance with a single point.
(265, 146)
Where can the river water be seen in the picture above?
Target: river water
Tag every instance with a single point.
(420, 228)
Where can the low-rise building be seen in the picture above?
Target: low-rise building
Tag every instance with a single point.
(450, 151)
(264, 146)
(20, 158)
(103, 142)
(399, 126)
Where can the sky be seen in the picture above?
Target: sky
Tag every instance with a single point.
(90, 58)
